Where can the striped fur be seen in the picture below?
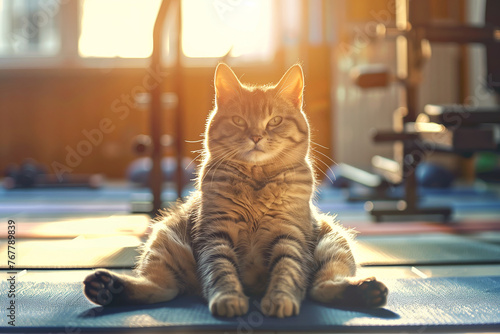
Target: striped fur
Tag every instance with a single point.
(251, 227)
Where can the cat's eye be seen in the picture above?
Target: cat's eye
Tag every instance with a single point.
(275, 121)
(239, 121)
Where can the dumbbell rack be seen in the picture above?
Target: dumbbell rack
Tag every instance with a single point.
(413, 34)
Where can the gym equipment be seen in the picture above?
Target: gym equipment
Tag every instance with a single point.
(343, 175)
(33, 175)
(476, 131)
(140, 169)
(156, 177)
(459, 129)
(430, 175)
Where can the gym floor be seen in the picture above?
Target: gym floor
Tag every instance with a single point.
(62, 234)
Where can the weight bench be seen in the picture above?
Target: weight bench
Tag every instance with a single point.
(463, 130)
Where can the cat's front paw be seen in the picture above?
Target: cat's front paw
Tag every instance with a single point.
(280, 304)
(367, 293)
(104, 288)
(228, 304)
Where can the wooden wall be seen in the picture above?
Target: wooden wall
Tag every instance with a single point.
(84, 120)
(45, 114)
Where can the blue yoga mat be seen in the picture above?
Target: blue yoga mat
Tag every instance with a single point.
(414, 304)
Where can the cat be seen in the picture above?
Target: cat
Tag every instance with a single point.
(250, 228)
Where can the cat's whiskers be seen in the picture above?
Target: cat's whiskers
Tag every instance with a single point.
(314, 143)
(324, 155)
(194, 141)
(224, 158)
(193, 160)
(216, 163)
(315, 160)
(202, 152)
(286, 154)
(205, 163)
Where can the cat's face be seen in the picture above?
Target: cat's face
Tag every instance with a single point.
(258, 125)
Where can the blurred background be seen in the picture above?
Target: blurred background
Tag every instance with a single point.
(76, 78)
(67, 65)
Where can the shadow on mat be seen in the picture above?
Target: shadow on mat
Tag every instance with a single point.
(180, 303)
(309, 309)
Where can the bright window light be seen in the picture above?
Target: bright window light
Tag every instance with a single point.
(211, 29)
(117, 28)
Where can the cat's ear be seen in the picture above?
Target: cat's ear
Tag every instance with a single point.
(227, 85)
(291, 86)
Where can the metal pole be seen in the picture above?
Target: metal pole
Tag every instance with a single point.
(156, 175)
(179, 116)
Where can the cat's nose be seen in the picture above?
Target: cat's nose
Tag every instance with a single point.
(255, 138)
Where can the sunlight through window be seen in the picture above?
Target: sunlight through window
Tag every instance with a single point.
(242, 27)
(117, 28)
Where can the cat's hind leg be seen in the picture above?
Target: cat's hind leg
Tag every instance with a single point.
(107, 288)
(334, 280)
(165, 269)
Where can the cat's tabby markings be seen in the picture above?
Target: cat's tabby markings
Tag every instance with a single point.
(251, 227)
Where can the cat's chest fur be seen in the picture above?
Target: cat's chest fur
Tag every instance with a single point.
(263, 189)
(260, 198)
(260, 194)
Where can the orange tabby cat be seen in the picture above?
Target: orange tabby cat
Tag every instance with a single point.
(251, 227)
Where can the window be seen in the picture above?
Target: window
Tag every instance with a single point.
(29, 28)
(97, 32)
(243, 28)
(117, 28)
